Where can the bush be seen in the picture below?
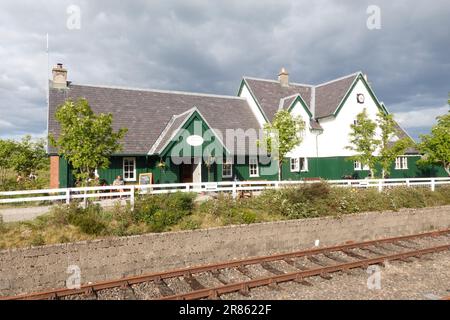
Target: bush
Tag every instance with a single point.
(162, 211)
(37, 240)
(89, 219)
(3, 228)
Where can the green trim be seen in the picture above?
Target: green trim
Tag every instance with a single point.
(349, 91)
(300, 99)
(195, 114)
(253, 96)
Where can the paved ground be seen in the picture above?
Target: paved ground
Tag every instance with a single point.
(30, 213)
(21, 213)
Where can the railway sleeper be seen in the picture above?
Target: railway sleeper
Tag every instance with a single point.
(193, 283)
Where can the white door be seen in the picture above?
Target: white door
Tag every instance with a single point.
(197, 173)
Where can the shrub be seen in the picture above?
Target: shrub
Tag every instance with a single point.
(37, 240)
(162, 211)
(3, 228)
(88, 219)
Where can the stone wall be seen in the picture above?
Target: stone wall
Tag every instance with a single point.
(39, 268)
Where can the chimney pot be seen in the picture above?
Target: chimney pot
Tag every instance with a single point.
(283, 77)
(59, 76)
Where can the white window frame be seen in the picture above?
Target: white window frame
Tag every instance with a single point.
(253, 162)
(401, 163)
(357, 166)
(227, 162)
(305, 164)
(294, 164)
(134, 168)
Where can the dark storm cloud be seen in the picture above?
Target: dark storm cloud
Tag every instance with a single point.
(208, 46)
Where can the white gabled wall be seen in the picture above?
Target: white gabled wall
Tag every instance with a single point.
(308, 146)
(336, 132)
(245, 93)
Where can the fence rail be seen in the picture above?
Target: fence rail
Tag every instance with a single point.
(128, 192)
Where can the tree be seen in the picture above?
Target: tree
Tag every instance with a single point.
(389, 149)
(284, 133)
(7, 149)
(435, 146)
(363, 141)
(29, 156)
(86, 140)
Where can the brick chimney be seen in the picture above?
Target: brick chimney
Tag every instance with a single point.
(59, 76)
(283, 77)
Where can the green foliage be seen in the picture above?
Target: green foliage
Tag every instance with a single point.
(37, 240)
(89, 219)
(363, 141)
(3, 228)
(29, 156)
(308, 201)
(163, 211)
(7, 149)
(282, 135)
(231, 211)
(436, 146)
(23, 157)
(389, 150)
(86, 140)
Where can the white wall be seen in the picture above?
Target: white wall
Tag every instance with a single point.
(245, 93)
(308, 146)
(336, 132)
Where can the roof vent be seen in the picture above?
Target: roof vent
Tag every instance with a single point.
(283, 77)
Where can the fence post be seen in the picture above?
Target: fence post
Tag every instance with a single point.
(187, 187)
(132, 197)
(407, 182)
(380, 186)
(234, 190)
(432, 184)
(68, 196)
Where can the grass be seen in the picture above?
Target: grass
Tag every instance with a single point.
(178, 211)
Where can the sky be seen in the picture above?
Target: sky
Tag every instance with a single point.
(207, 46)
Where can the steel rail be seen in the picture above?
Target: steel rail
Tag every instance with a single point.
(299, 275)
(89, 288)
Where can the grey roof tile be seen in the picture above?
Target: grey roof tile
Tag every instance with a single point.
(268, 93)
(329, 95)
(147, 112)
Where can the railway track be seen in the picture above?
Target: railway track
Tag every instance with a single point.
(214, 280)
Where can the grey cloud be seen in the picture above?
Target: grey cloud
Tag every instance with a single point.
(208, 46)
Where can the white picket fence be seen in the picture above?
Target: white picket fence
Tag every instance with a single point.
(128, 192)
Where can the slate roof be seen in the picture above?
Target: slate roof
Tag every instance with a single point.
(146, 113)
(329, 95)
(401, 134)
(270, 94)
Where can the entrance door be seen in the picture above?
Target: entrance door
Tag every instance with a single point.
(186, 172)
(197, 173)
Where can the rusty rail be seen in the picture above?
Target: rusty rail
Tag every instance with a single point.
(127, 281)
(299, 275)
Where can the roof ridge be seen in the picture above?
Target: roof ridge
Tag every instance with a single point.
(283, 100)
(339, 79)
(276, 81)
(158, 141)
(160, 91)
